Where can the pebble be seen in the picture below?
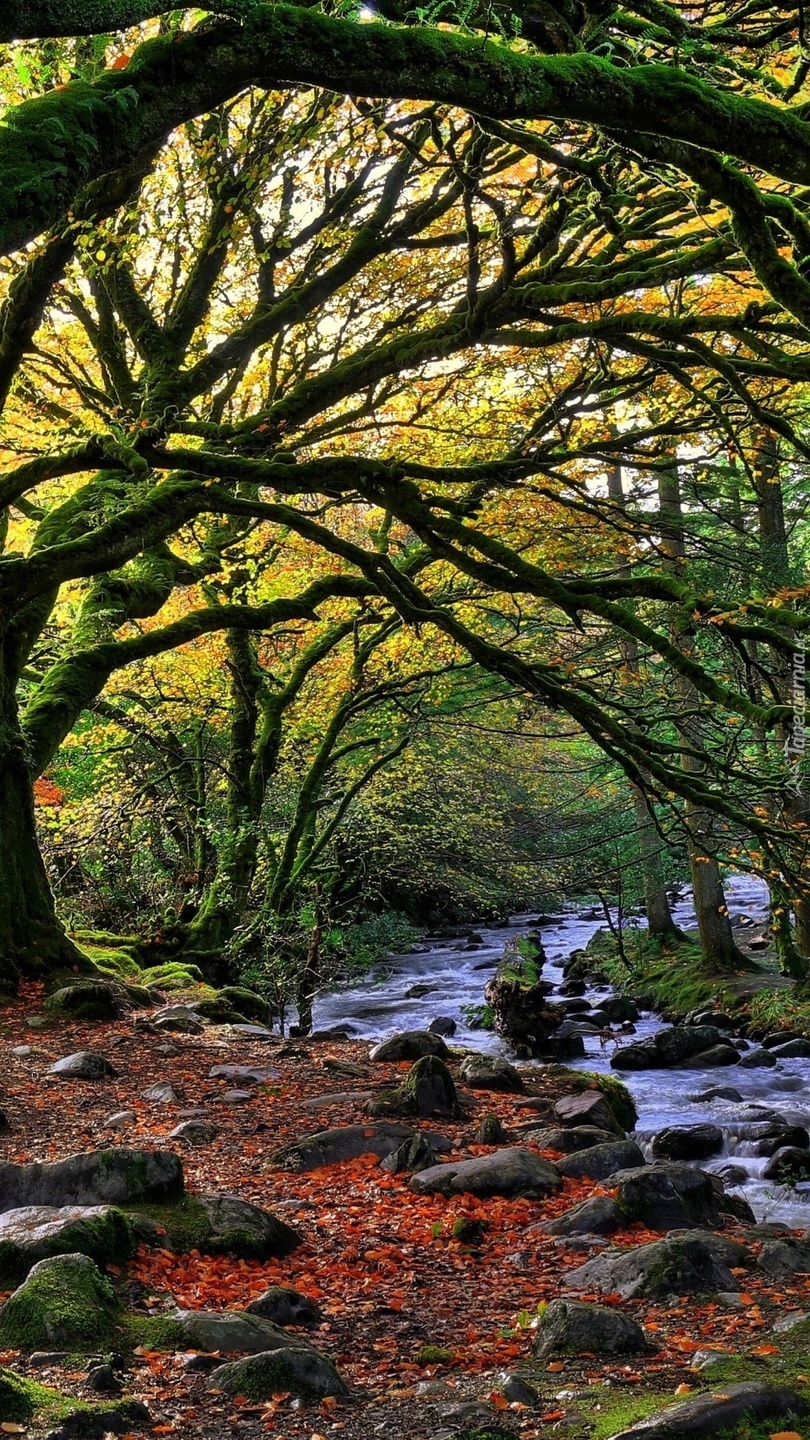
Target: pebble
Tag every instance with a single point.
(235, 1097)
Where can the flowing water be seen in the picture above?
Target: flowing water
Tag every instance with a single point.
(446, 977)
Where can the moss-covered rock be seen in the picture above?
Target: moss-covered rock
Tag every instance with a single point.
(302, 1371)
(248, 1003)
(64, 1303)
(428, 1089)
(220, 1225)
(89, 1000)
(18, 1397)
(102, 1233)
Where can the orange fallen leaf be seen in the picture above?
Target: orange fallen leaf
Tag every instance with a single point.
(555, 1367)
(786, 1435)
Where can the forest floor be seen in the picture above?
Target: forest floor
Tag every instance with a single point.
(379, 1259)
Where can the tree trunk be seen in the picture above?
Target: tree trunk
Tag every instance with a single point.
(32, 941)
(660, 923)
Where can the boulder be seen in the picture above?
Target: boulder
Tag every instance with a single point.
(194, 1132)
(787, 1165)
(254, 1007)
(230, 1332)
(568, 1327)
(509, 1172)
(783, 1257)
(238, 1228)
(716, 1092)
(722, 1054)
(598, 1216)
(490, 1072)
(724, 1248)
(665, 1267)
(118, 1176)
(687, 1142)
(794, 1136)
(37, 1232)
(161, 1093)
(758, 1059)
(778, 1037)
(797, 1049)
(64, 1302)
(618, 1009)
(285, 1306)
(490, 1131)
(299, 1370)
(89, 1000)
(588, 1108)
(668, 1048)
(428, 1089)
(83, 1065)
(567, 1142)
(600, 1161)
(665, 1196)
(349, 1142)
(410, 1045)
(720, 1412)
(412, 1156)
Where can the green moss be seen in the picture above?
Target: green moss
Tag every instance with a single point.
(468, 1230)
(20, 1399)
(185, 1223)
(152, 1332)
(107, 1239)
(247, 1002)
(614, 1090)
(172, 976)
(65, 1303)
(432, 1355)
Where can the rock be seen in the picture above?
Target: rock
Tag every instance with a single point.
(235, 1097)
(83, 1065)
(245, 1230)
(509, 1172)
(161, 1093)
(779, 1037)
(733, 1175)
(119, 1418)
(427, 1089)
(567, 1327)
(119, 1120)
(416, 992)
(300, 1370)
(410, 1045)
(103, 1380)
(37, 1232)
(340, 1097)
(349, 1142)
(781, 1258)
(180, 1019)
(517, 1390)
(194, 1132)
(572, 987)
(702, 1416)
(411, 1156)
(788, 1165)
(731, 1253)
(687, 1142)
(231, 1332)
(516, 995)
(718, 1018)
(567, 1142)
(618, 1008)
(717, 1092)
(792, 1050)
(442, 1025)
(90, 1000)
(598, 1216)
(254, 1032)
(244, 1074)
(117, 1176)
(589, 1108)
(667, 1048)
(247, 1002)
(490, 1131)
(794, 1136)
(600, 1161)
(64, 1301)
(665, 1196)
(285, 1306)
(723, 1054)
(665, 1267)
(758, 1059)
(490, 1072)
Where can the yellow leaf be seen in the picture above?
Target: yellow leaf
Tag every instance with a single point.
(683, 1390)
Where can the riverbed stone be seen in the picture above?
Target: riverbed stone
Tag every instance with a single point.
(348, 1142)
(780, 1136)
(797, 1049)
(299, 1369)
(588, 1108)
(511, 1172)
(719, 1412)
(597, 1216)
(662, 1196)
(64, 1302)
(716, 1055)
(83, 1065)
(787, 1165)
(716, 1092)
(115, 1176)
(758, 1059)
(600, 1161)
(664, 1267)
(285, 1306)
(670, 1048)
(490, 1072)
(36, 1232)
(778, 1037)
(687, 1142)
(567, 1142)
(410, 1045)
(567, 1327)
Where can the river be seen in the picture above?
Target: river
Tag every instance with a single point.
(449, 976)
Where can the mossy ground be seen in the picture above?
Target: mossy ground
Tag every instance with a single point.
(26, 1402)
(185, 1222)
